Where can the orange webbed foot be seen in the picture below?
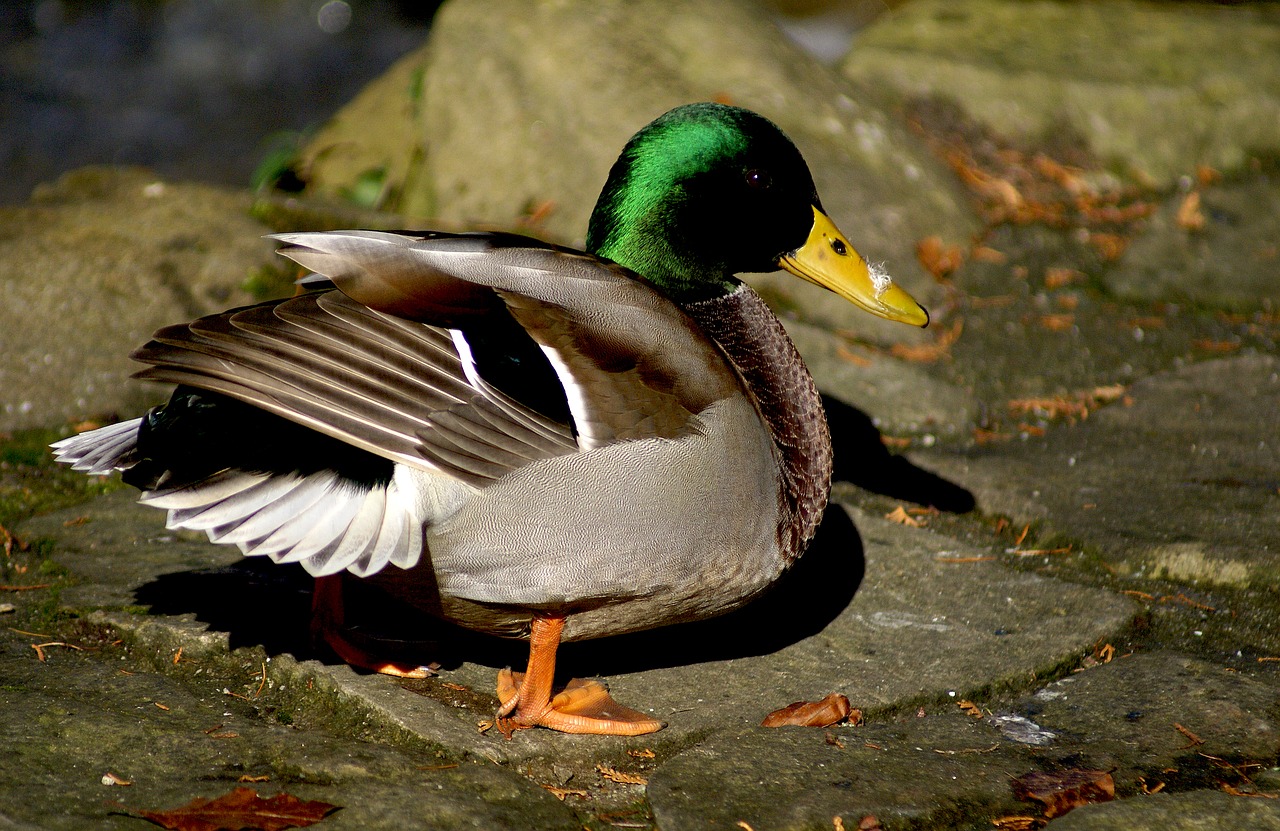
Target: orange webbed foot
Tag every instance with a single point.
(583, 707)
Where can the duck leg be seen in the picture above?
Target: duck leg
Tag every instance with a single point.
(327, 617)
(581, 707)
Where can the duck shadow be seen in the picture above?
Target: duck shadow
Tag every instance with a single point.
(260, 603)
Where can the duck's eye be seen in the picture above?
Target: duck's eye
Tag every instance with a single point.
(758, 179)
(839, 247)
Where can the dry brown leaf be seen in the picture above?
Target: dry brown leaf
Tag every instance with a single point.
(900, 516)
(938, 258)
(1061, 791)
(987, 254)
(1110, 247)
(1215, 345)
(970, 708)
(1195, 740)
(1018, 823)
(110, 778)
(646, 753)
(1056, 278)
(1234, 791)
(561, 793)
(1189, 216)
(1057, 322)
(831, 710)
(869, 823)
(619, 776)
(240, 809)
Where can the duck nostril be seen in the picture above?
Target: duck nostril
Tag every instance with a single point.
(839, 247)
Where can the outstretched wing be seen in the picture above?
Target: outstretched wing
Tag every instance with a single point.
(374, 365)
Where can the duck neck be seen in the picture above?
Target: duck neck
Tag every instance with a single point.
(787, 400)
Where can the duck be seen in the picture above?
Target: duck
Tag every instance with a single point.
(520, 438)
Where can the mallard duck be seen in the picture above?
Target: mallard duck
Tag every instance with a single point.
(524, 439)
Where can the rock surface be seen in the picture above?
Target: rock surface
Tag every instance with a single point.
(1095, 432)
(565, 85)
(1153, 89)
(93, 265)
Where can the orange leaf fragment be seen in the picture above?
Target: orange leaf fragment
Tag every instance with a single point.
(970, 708)
(1018, 823)
(620, 777)
(831, 710)
(1056, 278)
(938, 258)
(1058, 322)
(1110, 247)
(900, 516)
(1216, 345)
(1189, 216)
(561, 793)
(240, 809)
(1062, 791)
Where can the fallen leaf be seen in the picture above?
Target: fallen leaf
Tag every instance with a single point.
(970, 708)
(833, 740)
(646, 753)
(110, 778)
(561, 793)
(900, 516)
(620, 777)
(1195, 740)
(831, 710)
(1018, 823)
(1056, 278)
(240, 809)
(1110, 247)
(247, 778)
(1058, 322)
(987, 254)
(1215, 345)
(1189, 216)
(926, 353)
(869, 823)
(1234, 791)
(1060, 792)
(938, 258)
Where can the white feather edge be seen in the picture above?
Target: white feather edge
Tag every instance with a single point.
(319, 521)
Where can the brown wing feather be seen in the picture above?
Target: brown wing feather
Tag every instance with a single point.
(361, 376)
(632, 363)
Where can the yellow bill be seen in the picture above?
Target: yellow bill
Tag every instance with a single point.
(829, 260)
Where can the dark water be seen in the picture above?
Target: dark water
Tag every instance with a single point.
(195, 89)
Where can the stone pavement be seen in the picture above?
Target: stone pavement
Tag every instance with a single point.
(1084, 449)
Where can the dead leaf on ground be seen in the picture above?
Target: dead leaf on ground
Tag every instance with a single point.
(1189, 216)
(1110, 247)
(620, 777)
(645, 753)
(970, 708)
(240, 809)
(831, 710)
(1018, 823)
(1218, 346)
(561, 793)
(1061, 791)
(927, 353)
(1057, 322)
(110, 778)
(938, 258)
(1057, 277)
(900, 516)
(987, 254)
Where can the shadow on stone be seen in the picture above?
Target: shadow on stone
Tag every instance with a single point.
(862, 459)
(260, 603)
